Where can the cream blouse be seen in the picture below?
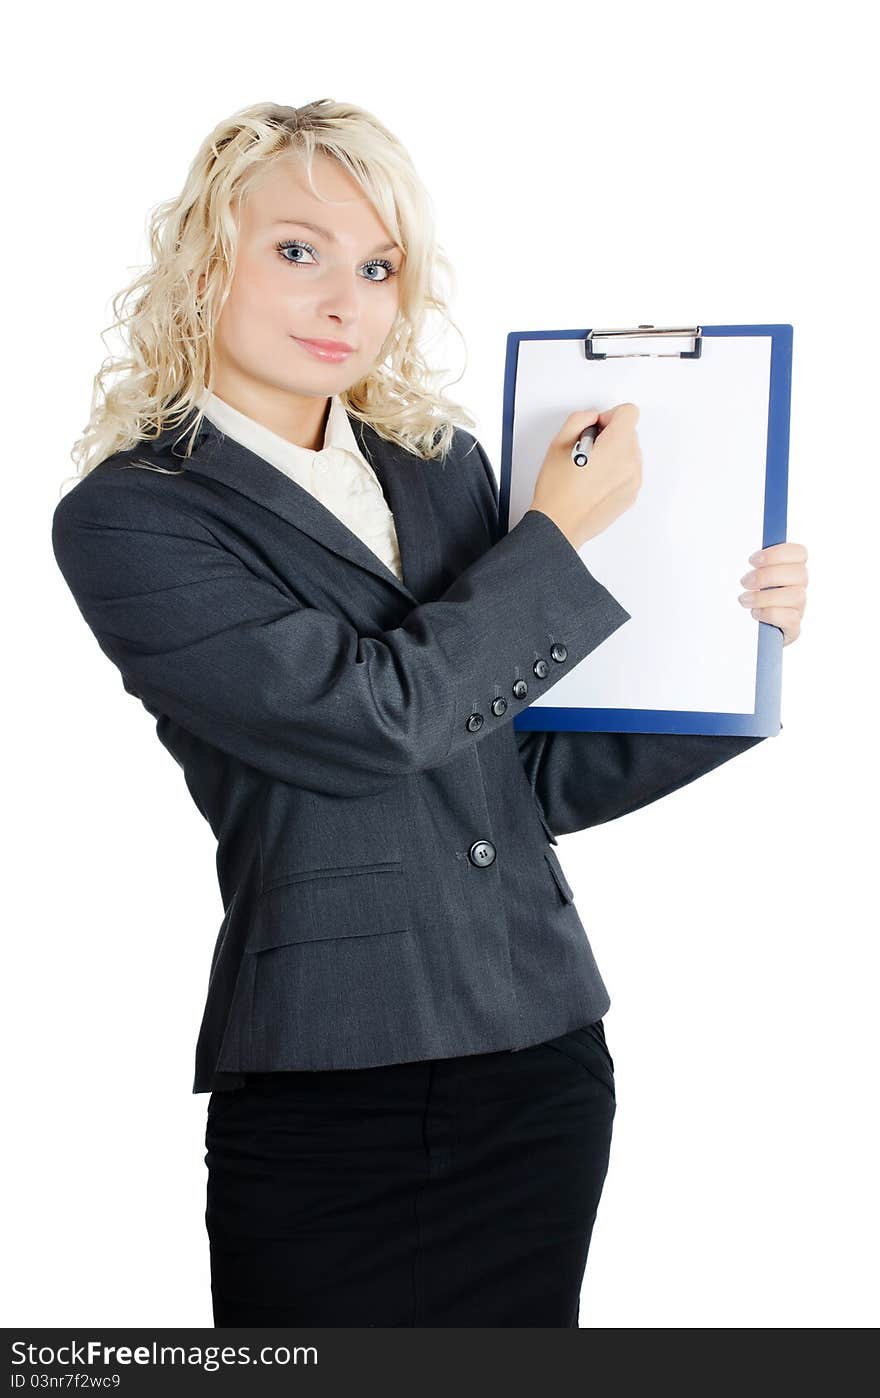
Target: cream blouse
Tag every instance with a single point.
(337, 474)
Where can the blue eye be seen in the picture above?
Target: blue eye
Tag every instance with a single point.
(296, 245)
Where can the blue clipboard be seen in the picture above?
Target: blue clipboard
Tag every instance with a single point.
(763, 718)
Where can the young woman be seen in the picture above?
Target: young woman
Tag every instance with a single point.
(292, 553)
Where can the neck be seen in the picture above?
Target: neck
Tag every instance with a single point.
(298, 418)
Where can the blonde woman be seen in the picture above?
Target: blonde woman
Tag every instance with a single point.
(287, 541)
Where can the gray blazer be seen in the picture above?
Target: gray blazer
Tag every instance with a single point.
(385, 839)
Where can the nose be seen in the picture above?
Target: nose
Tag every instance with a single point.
(338, 296)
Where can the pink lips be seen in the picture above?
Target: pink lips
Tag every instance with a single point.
(334, 351)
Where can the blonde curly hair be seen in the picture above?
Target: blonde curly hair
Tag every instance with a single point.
(169, 327)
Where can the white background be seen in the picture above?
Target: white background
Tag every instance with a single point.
(590, 165)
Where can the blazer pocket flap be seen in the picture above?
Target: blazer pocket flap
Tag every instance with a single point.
(330, 903)
(558, 873)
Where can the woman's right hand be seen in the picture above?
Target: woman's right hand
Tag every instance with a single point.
(584, 500)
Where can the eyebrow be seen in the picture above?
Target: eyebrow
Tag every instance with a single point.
(330, 236)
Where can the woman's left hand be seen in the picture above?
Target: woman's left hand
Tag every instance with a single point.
(778, 587)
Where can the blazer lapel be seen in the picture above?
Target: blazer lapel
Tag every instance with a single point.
(401, 475)
(404, 481)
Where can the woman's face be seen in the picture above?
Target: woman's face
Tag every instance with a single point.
(290, 280)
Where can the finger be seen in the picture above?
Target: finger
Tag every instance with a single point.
(622, 416)
(786, 552)
(775, 597)
(574, 425)
(776, 574)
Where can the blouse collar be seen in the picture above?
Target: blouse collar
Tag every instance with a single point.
(278, 450)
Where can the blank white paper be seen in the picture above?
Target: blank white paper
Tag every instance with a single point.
(674, 560)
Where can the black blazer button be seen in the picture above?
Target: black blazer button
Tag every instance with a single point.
(558, 651)
(540, 668)
(474, 722)
(520, 689)
(499, 706)
(481, 853)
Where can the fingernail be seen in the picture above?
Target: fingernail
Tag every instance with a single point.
(756, 557)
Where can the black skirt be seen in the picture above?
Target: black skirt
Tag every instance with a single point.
(447, 1192)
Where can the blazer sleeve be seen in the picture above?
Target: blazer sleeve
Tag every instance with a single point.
(297, 692)
(585, 779)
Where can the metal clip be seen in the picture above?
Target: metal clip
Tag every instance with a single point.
(646, 332)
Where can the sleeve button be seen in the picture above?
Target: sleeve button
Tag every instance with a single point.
(541, 668)
(520, 689)
(499, 706)
(558, 651)
(474, 722)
